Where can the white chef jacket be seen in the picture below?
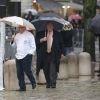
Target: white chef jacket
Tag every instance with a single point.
(25, 44)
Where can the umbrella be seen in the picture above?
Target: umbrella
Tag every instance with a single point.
(40, 23)
(49, 5)
(75, 17)
(50, 14)
(95, 28)
(33, 11)
(95, 25)
(16, 21)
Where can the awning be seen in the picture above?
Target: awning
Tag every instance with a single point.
(73, 5)
(50, 14)
(50, 5)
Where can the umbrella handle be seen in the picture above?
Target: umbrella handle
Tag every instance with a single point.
(45, 33)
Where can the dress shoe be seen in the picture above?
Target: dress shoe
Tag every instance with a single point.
(97, 71)
(47, 86)
(34, 86)
(98, 75)
(21, 90)
(53, 86)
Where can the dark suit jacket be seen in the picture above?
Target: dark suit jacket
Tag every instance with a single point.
(40, 49)
(56, 50)
(67, 38)
(57, 46)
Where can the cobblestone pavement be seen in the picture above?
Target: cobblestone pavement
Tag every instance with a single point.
(66, 90)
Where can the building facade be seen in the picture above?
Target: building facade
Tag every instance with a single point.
(25, 4)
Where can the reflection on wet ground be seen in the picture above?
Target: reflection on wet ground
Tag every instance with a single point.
(66, 90)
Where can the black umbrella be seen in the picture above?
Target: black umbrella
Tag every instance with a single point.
(95, 25)
(40, 23)
(95, 28)
(49, 5)
(50, 14)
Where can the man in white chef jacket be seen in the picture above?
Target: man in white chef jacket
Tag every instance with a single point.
(25, 48)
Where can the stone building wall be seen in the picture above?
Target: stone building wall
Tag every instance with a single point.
(25, 4)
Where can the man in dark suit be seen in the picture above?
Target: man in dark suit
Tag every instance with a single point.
(40, 49)
(52, 46)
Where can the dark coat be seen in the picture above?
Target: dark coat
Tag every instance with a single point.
(67, 38)
(40, 49)
(57, 46)
(56, 50)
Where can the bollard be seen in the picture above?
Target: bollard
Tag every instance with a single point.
(84, 66)
(10, 76)
(34, 63)
(73, 68)
(41, 78)
(63, 68)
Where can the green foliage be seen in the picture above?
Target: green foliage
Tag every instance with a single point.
(89, 12)
(89, 8)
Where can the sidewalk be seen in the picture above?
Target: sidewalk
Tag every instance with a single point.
(66, 90)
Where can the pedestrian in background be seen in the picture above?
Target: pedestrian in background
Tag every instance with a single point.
(67, 36)
(29, 16)
(25, 48)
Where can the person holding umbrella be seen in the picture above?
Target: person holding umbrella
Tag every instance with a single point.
(46, 60)
(95, 28)
(25, 47)
(52, 46)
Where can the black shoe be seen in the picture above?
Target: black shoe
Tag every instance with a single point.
(98, 75)
(47, 86)
(97, 71)
(21, 90)
(53, 86)
(34, 86)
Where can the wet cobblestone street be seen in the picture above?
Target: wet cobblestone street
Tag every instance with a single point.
(66, 90)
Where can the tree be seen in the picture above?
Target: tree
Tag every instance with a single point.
(89, 11)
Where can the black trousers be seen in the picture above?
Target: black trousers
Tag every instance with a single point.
(40, 62)
(50, 70)
(24, 65)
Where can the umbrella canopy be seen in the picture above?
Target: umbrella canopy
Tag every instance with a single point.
(50, 14)
(75, 17)
(95, 25)
(40, 23)
(33, 11)
(49, 5)
(16, 21)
